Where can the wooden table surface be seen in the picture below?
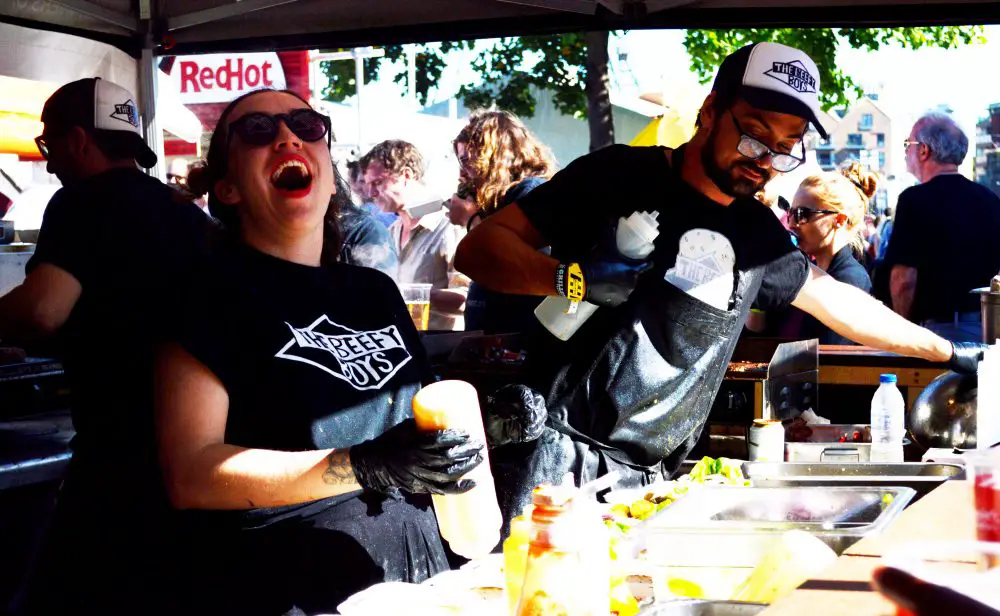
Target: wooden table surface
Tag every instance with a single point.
(947, 513)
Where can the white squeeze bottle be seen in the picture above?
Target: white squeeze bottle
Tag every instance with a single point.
(888, 421)
(988, 398)
(634, 239)
(469, 522)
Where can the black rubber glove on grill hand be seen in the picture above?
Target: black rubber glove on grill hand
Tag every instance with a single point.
(404, 458)
(513, 414)
(610, 278)
(965, 356)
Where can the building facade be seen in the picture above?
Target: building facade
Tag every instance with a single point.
(864, 134)
(987, 163)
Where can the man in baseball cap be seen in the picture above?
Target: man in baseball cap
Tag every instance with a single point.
(114, 254)
(632, 388)
(91, 125)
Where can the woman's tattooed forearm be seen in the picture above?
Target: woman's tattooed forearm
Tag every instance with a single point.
(338, 469)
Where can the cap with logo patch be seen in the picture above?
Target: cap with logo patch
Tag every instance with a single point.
(101, 106)
(773, 77)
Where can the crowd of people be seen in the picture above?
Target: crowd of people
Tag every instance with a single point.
(257, 453)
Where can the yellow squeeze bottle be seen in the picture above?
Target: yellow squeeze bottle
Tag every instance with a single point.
(469, 522)
(515, 557)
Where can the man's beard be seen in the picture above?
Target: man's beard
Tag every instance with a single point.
(727, 180)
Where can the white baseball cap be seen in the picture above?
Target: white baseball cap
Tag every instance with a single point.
(773, 77)
(101, 106)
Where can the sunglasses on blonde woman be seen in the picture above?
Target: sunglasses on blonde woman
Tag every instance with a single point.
(801, 214)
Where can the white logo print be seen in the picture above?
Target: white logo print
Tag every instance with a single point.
(704, 267)
(127, 112)
(365, 360)
(794, 74)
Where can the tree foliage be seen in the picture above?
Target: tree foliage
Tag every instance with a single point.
(708, 48)
(430, 61)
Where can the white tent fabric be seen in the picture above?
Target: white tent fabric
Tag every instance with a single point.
(54, 59)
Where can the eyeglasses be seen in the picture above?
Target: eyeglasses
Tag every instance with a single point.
(802, 214)
(908, 142)
(755, 150)
(43, 147)
(259, 129)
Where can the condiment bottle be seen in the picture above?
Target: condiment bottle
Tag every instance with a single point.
(469, 522)
(515, 557)
(634, 238)
(568, 568)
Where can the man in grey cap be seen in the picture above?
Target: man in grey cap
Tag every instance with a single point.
(632, 389)
(105, 281)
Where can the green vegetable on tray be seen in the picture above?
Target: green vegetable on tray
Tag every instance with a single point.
(708, 471)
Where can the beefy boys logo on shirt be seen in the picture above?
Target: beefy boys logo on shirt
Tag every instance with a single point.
(794, 75)
(127, 112)
(365, 360)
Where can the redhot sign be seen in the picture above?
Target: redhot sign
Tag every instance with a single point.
(219, 78)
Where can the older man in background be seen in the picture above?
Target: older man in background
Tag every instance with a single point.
(424, 239)
(944, 235)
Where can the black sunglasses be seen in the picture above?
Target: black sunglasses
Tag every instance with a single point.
(259, 129)
(755, 150)
(802, 214)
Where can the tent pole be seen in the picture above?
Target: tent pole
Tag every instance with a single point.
(148, 68)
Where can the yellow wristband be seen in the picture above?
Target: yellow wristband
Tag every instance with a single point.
(576, 288)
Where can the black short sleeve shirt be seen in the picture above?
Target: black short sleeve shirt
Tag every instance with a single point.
(134, 244)
(640, 378)
(311, 357)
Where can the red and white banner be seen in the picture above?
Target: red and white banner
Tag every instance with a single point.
(219, 78)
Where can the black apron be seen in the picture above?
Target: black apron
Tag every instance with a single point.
(647, 392)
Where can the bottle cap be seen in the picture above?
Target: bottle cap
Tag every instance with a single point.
(644, 224)
(887, 378)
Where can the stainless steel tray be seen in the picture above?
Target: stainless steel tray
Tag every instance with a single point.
(920, 476)
(698, 607)
(734, 526)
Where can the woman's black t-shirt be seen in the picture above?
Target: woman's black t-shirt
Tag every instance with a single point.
(311, 357)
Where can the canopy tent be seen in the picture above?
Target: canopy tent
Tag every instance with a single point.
(21, 102)
(33, 63)
(147, 29)
(223, 25)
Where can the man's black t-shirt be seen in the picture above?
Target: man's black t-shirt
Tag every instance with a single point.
(640, 378)
(947, 229)
(311, 357)
(133, 244)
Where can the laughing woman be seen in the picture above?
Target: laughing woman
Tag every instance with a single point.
(284, 418)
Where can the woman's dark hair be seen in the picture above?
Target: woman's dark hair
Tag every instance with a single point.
(217, 167)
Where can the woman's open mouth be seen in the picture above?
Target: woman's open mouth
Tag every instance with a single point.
(291, 176)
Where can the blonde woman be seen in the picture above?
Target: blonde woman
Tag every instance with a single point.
(500, 162)
(828, 219)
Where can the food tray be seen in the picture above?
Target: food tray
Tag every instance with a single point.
(734, 527)
(823, 445)
(921, 477)
(697, 607)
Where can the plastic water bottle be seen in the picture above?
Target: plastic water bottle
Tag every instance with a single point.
(888, 421)
(634, 239)
(469, 522)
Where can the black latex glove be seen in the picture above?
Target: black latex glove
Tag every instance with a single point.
(965, 356)
(513, 414)
(407, 459)
(609, 277)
